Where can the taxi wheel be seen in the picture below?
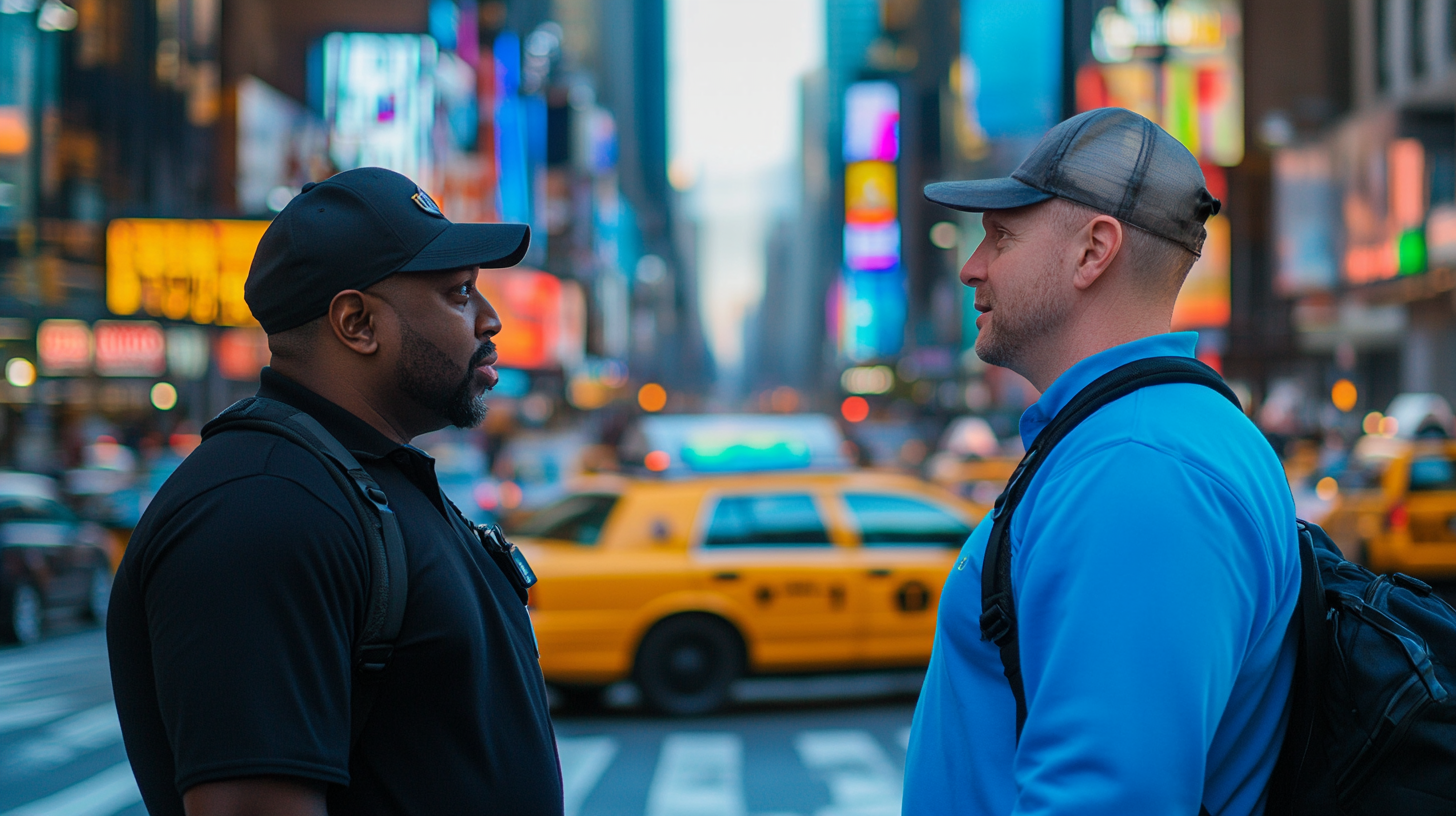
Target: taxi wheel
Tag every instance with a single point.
(687, 663)
(21, 619)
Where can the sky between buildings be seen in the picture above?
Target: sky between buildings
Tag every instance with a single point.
(734, 70)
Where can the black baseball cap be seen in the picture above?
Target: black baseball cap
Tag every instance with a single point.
(1112, 160)
(353, 231)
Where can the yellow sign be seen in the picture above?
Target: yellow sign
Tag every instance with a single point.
(181, 269)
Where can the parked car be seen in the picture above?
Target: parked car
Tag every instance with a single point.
(49, 559)
(685, 584)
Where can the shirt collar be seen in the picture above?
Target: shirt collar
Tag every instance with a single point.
(351, 431)
(1079, 376)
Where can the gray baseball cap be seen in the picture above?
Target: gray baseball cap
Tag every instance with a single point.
(1112, 160)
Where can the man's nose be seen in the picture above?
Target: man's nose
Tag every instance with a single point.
(973, 273)
(487, 321)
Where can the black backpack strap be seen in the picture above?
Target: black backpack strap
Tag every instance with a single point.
(388, 567)
(1310, 668)
(998, 607)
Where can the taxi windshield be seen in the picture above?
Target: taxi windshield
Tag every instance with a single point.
(578, 518)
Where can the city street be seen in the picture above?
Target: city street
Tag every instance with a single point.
(779, 751)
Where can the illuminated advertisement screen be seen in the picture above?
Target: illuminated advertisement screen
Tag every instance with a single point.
(871, 308)
(1306, 215)
(543, 318)
(1197, 91)
(871, 122)
(872, 314)
(130, 348)
(379, 100)
(872, 247)
(1015, 52)
(181, 269)
(869, 192)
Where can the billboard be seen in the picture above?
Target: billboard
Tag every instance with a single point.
(543, 318)
(1196, 91)
(379, 100)
(63, 347)
(1011, 66)
(181, 269)
(281, 147)
(130, 348)
(1306, 218)
(869, 306)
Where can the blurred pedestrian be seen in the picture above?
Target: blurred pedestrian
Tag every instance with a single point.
(240, 602)
(1154, 556)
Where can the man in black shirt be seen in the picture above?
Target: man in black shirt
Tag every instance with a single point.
(237, 606)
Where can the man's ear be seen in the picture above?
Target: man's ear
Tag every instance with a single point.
(1098, 243)
(353, 318)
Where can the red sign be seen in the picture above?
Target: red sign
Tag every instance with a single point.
(242, 353)
(543, 318)
(130, 348)
(64, 347)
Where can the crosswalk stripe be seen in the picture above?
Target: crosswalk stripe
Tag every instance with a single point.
(861, 778)
(67, 739)
(15, 716)
(102, 795)
(698, 774)
(583, 761)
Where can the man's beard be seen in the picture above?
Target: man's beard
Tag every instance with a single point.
(1016, 325)
(429, 377)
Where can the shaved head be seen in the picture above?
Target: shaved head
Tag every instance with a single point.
(1161, 264)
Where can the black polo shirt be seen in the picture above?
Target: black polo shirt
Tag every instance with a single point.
(234, 613)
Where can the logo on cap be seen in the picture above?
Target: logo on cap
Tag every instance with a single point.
(426, 203)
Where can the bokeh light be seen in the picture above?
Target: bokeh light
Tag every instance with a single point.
(944, 235)
(1344, 395)
(855, 409)
(1371, 424)
(164, 396)
(20, 372)
(1327, 488)
(656, 461)
(652, 397)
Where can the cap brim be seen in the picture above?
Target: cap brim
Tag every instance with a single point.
(984, 194)
(461, 245)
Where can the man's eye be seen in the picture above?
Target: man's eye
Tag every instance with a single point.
(463, 290)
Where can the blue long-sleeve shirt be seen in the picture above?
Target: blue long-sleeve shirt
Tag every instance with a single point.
(1155, 568)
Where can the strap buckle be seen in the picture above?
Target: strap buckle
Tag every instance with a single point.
(374, 657)
(995, 623)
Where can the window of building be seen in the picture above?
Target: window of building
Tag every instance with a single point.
(1415, 28)
(1382, 48)
(777, 520)
(898, 521)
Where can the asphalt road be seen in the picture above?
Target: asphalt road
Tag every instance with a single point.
(823, 745)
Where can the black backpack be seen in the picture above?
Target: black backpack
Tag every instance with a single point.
(387, 559)
(1372, 727)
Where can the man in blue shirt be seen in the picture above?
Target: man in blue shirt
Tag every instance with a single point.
(1154, 558)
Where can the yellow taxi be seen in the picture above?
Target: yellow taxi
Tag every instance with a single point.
(1394, 506)
(683, 585)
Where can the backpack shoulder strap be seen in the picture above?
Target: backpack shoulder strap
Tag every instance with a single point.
(384, 544)
(998, 608)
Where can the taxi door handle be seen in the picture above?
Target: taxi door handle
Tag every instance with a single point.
(880, 573)
(725, 576)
